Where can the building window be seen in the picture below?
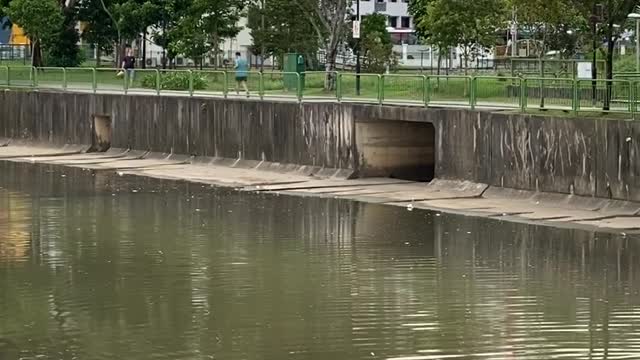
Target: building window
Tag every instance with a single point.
(406, 22)
(393, 21)
(380, 1)
(393, 0)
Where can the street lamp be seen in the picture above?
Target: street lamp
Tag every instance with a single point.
(636, 17)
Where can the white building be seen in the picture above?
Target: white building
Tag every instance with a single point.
(398, 18)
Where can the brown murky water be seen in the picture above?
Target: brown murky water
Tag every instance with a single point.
(97, 266)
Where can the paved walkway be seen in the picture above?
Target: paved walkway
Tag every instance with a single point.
(446, 196)
(119, 90)
(482, 104)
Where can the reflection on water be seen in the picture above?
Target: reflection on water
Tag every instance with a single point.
(95, 266)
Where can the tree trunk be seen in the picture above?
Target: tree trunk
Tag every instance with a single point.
(215, 44)
(594, 62)
(97, 57)
(119, 53)
(611, 44)
(330, 68)
(144, 49)
(466, 61)
(541, 59)
(467, 89)
(36, 54)
(164, 46)
(331, 51)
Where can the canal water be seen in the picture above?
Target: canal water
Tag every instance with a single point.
(101, 266)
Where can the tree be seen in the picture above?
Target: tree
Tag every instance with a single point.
(64, 50)
(607, 18)
(190, 38)
(615, 14)
(204, 25)
(41, 21)
(375, 44)
(428, 27)
(555, 24)
(284, 30)
(471, 25)
(99, 28)
(132, 18)
(329, 19)
(164, 21)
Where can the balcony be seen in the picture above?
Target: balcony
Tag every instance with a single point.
(380, 7)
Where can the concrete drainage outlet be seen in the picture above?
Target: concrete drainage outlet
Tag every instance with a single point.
(396, 149)
(102, 132)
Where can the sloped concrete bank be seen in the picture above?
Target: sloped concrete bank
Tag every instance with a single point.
(563, 170)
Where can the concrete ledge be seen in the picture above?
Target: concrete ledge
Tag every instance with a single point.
(116, 159)
(603, 206)
(461, 197)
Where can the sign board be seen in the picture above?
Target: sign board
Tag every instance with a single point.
(584, 70)
(356, 29)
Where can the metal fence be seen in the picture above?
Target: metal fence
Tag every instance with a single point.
(620, 95)
(551, 67)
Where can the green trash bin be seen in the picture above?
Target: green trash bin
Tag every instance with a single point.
(294, 63)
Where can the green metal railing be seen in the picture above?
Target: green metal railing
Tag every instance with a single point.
(403, 88)
(369, 91)
(620, 95)
(450, 90)
(495, 91)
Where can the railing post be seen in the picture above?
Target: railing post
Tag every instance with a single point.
(64, 79)
(35, 77)
(225, 91)
(425, 95)
(632, 96)
(428, 91)
(158, 82)
(472, 92)
(190, 82)
(380, 89)
(338, 86)
(575, 106)
(6, 68)
(523, 95)
(261, 85)
(126, 82)
(94, 80)
(8, 76)
(299, 87)
(32, 77)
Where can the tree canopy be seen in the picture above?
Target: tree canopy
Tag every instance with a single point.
(470, 25)
(41, 21)
(375, 44)
(555, 25)
(284, 30)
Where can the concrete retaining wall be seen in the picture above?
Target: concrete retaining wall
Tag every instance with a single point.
(582, 156)
(318, 135)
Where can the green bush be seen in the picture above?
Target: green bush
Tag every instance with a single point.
(175, 81)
